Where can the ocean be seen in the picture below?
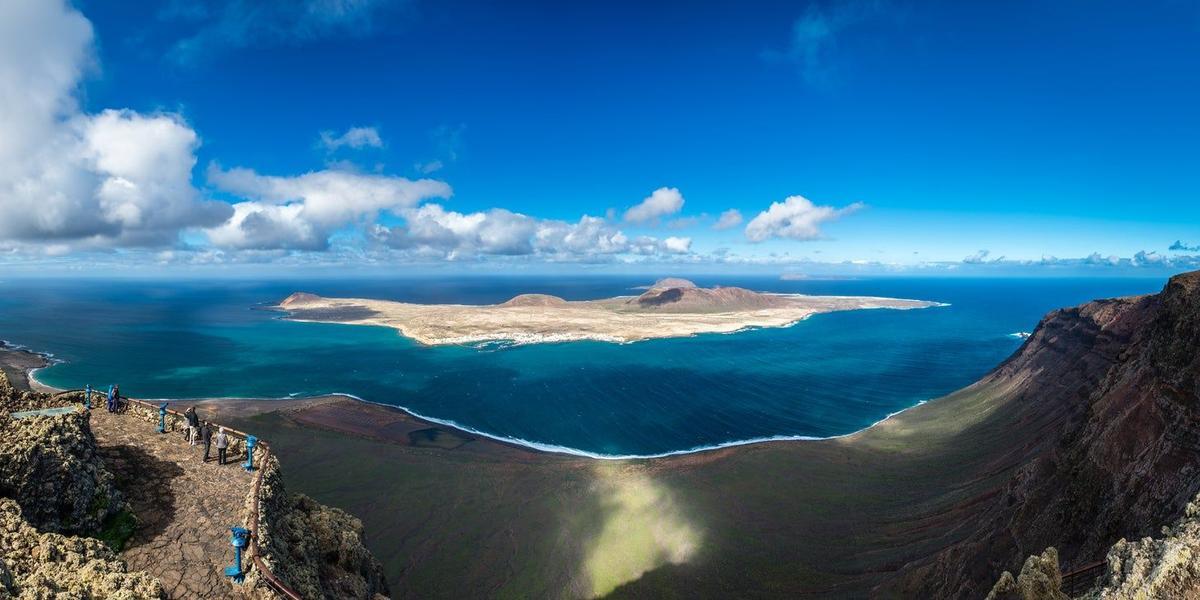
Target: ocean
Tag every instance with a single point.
(829, 375)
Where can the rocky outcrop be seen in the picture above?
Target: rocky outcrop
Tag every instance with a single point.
(315, 549)
(1164, 568)
(14, 400)
(49, 465)
(1113, 390)
(1040, 579)
(39, 565)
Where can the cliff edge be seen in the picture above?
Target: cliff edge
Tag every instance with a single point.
(1114, 389)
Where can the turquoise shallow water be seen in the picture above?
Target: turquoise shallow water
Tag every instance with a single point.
(830, 375)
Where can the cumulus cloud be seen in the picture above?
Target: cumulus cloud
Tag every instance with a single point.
(978, 258)
(814, 35)
(728, 220)
(662, 202)
(433, 231)
(1179, 246)
(355, 138)
(70, 179)
(795, 218)
(677, 245)
(1096, 258)
(233, 24)
(1143, 258)
(301, 212)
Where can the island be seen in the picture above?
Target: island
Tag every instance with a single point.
(670, 308)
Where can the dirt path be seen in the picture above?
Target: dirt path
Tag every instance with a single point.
(185, 506)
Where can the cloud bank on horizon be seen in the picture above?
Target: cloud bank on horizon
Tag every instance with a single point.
(114, 185)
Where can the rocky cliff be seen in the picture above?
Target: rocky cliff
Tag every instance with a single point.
(53, 482)
(50, 467)
(315, 549)
(1113, 388)
(1163, 568)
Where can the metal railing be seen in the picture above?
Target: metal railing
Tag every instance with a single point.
(1082, 578)
(272, 581)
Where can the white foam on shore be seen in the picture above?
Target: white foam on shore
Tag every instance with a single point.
(533, 445)
(1020, 335)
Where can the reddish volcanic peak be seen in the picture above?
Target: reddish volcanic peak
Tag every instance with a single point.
(300, 299)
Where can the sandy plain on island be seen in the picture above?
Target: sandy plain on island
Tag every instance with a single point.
(670, 308)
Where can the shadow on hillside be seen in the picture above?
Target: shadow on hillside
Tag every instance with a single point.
(145, 483)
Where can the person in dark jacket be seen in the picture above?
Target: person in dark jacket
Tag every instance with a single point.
(206, 437)
(193, 421)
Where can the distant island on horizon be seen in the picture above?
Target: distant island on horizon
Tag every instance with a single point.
(671, 307)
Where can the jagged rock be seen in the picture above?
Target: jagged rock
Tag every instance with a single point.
(36, 565)
(315, 549)
(1040, 579)
(1165, 568)
(50, 466)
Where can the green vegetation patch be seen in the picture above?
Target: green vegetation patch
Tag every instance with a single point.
(117, 530)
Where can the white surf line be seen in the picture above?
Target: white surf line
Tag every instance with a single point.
(539, 446)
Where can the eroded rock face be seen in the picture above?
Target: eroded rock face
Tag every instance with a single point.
(1114, 388)
(317, 550)
(1040, 579)
(1164, 568)
(49, 465)
(37, 565)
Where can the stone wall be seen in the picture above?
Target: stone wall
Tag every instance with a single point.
(316, 550)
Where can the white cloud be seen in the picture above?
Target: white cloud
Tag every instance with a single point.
(432, 231)
(301, 212)
(355, 138)
(264, 226)
(663, 201)
(795, 218)
(1143, 259)
(70, 179)
(1096, 258)
(728, 220)
(977, 258)
(435, 230)
(677, 245)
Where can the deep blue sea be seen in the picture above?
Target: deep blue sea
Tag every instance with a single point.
(829, 375)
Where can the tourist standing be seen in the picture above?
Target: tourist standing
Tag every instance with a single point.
(222, 445)
(206, 437)
(109, 401)
(116, 400)
(193, 422)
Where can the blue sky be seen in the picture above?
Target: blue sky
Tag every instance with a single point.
(862, 136)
